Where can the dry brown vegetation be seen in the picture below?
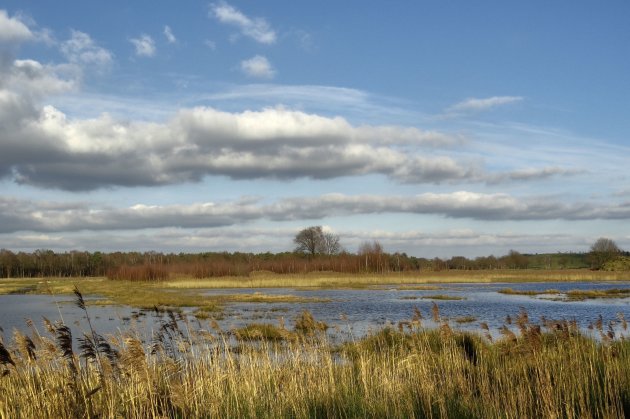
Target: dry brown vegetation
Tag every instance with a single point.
(546, 370)
(572, 295)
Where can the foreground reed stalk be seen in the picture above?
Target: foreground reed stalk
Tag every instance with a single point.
(201, 371)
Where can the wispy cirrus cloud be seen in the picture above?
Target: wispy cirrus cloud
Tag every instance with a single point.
(168, 34)
(472, 105)
(256, 28)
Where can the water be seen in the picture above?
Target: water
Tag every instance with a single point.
(356, 312)
(351, 313)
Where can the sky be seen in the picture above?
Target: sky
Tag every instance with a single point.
(438, 129)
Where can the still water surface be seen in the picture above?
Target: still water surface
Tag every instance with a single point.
(351, 313)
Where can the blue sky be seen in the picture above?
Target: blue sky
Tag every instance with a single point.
(437, 128)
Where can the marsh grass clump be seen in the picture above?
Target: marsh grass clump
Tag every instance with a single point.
(263, 331)
(203, 314)
(465, 319)
(572, 295)
(444, 297)
(306, 324)
(578, 295)
(511, 291)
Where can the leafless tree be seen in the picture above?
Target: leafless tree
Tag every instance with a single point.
(372, 252)
(602, 251)
(331, 244)
(315, 241)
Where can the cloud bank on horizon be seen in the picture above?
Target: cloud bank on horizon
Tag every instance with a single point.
(145, 136)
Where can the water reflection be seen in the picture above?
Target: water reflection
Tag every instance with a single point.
(351, 313)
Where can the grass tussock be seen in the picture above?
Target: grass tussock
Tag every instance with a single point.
(307, 325)
(465, 319)
(263, 331)
(535, 370)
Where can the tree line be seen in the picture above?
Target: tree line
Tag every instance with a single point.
(315, 251)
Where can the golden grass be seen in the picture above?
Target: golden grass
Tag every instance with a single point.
(573, 295)
(510, 291)
(422, 373)
(465, 319)
(445, 297)
(142, 294)
(404, 279)
(609, 293)
(182, 292)
(419, 288)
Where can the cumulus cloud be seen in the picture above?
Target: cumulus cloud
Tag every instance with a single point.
(31, 79)
(81, 49)
(168, 33)
(144, 45)
(13, 30)
(47, 149)
(258, 67)
(478, 105)
(255, 28)
(46, 217)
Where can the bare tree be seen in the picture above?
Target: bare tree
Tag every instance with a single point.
(330, 243)
(314, 241)
(602, 251)
(373, 253)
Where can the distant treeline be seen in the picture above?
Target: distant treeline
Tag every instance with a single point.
(154, 265)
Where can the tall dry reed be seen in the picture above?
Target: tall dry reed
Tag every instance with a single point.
(187, 370)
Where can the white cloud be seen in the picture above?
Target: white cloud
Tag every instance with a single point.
(469, 243)
(45, 217)
(357, 104)
(144, 44)
(256, 28)
(210, 44)
(81, 49)
(531, 174)
(168, 33)
(478, 105)
(48, 149)
(258, 67)
(30, 78)
(13, 30)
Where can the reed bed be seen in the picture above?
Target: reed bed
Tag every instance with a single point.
(199, 370)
